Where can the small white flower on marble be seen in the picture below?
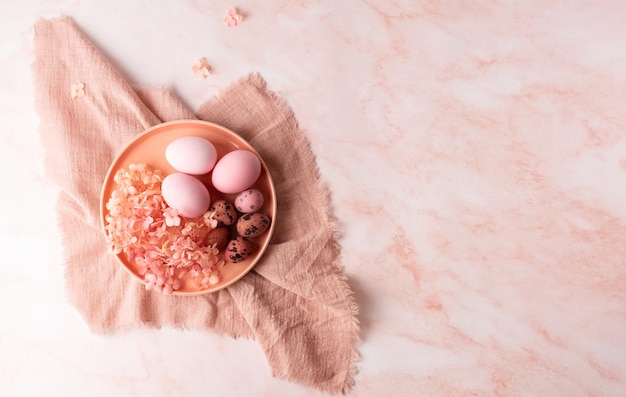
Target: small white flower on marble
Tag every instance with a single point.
(201, 68)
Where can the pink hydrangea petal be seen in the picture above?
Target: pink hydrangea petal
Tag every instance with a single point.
(233, 17)
(176, 284)
(77, 90)
(214, 279)
(201, 68)
(140, 225)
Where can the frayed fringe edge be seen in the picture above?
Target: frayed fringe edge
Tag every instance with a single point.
(324, 195)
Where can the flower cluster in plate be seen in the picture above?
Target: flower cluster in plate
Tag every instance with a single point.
(170, 246)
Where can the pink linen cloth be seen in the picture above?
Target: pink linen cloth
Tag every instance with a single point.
(295, 303)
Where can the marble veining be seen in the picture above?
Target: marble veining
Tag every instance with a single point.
(476, 156)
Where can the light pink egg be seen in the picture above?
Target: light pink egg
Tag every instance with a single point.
(186, 194)
(192, 155)
(236, 171)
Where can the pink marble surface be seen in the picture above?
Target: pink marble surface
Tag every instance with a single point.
(476, 154)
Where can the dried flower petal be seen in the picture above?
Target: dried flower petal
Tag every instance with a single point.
(209, 219)
(171, 217)
(164, 247)
(201, 68)
(233, 18)
(147, 222)
(214, 279)
(77, 90)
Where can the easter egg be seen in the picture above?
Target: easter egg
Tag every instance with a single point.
(236, 171)
(238, 249)
(186, 194)
(253, 225)
(248, 201)
(220, 236)
(224, 212)
(191, 155)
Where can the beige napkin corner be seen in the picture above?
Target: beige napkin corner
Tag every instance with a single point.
(295, 303)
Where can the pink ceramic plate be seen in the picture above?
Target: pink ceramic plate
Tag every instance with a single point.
(149, 148)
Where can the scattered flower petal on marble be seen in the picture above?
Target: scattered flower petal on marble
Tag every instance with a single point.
(233, 18)
(201, 68)
(77, 90)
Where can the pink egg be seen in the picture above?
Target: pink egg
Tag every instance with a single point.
(236, 171)
(192, 155)
(186, 194)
